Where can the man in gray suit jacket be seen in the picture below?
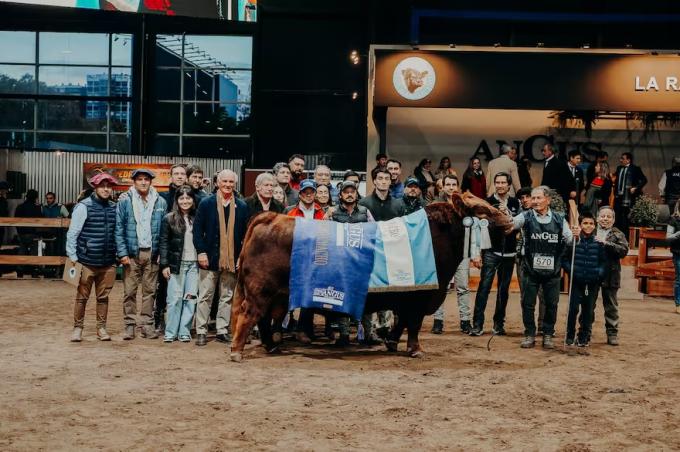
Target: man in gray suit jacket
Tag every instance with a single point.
(505, 163)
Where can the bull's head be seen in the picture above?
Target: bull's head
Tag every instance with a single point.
(467, 204)
(413, 79)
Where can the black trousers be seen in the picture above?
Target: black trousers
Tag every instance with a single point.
(583, 298)
(551, 292)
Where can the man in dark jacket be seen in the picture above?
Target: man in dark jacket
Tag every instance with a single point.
(218, 251)
(412, 196)
(629, 183)
(178, 177)
(588, 272)
(28, 236)
(282, 175)
(499, 259)
(195, 179)
(616, 248)
(669, 185)
(138, 227)
(262, 200)
(576, 174)
(556, 174)
(90, 240)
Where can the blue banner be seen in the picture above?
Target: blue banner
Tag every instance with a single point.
(330, 265)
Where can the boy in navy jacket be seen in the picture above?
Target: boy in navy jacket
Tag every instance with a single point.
(589, 270)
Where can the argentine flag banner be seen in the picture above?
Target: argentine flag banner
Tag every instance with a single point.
(404, 259)
(330, 264)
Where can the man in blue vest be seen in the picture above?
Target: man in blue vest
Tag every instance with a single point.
(546, 234)
(138, 228)
(90, 241)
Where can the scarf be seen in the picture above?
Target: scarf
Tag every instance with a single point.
(227, 261)
(143, 213)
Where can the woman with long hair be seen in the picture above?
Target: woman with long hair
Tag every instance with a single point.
(474, 179)
(598, 190)
(426, 179)
(673, 236)
(444, 169)
(179, 265)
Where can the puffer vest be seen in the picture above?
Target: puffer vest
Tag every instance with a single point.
(543, 245)
(96, 244)
(359, 215)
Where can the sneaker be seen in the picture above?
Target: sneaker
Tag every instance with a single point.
(612, 340)
(185, 338)
(528, 342)
(102, 334)
(569, 342)
(77, 334)
(149, 332)
(465, 326)
(498, 330)
(548, 341)
(476, 331)
(223, 338)
(437, 327)
(168, 340)
(129, 333)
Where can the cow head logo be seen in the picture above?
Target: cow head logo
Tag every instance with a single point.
(414, 78)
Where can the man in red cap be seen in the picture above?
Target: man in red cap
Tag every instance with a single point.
(91, 242)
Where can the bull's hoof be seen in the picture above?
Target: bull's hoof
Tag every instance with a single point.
(391, 345)
(277, 337)
(237, 357)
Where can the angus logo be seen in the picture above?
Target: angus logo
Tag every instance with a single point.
(414, 78)
(551, 238)
(328, 295)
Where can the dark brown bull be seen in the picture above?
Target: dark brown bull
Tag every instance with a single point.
(262, 287)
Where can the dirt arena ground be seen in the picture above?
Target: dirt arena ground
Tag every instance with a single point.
(147, 395)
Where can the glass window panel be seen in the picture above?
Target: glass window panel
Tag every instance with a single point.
(219, 51)
(76, 81)
(74, 48)
(165, 117)
(165, 145)
(72, 141)
(17, 47)
(216, 118)
(166, 84)
(17, 79)
(16, 114)
(120, 143)
(231, 86)
(121, 50)
(121, 116)
(72, 115)
(215, 146)
(121, 82)
(16, 139)
(169, 50)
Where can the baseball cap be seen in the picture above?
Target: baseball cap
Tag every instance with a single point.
(98, 178)
(347, 184)
(411, 180)
(139, 171)
(307, 183)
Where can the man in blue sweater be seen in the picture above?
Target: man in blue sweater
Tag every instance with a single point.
(219, 228)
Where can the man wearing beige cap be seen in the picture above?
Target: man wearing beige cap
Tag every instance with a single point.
(90, 241)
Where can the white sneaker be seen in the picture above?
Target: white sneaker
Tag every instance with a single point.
(102, 334)
(77, 335)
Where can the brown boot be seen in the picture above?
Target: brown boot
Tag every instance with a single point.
(129, 333)
(149, 332)
(77, 335)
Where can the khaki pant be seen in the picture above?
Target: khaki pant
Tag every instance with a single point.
(102, 278)
(141, 270)
(208, 281)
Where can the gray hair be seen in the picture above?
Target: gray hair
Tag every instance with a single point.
(264, 177)
(278, 167)
(227, 172)
(542, 188)
(506, 148)
(318, 167)
(606, 208)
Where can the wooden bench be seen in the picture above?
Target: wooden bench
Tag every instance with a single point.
(10, 259)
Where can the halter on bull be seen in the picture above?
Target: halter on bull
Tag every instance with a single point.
(261, 294)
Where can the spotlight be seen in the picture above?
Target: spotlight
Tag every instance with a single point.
(355, 95)
(496, 44)
(585, 46)
(452, 46)
(628, 46)
(540, 44)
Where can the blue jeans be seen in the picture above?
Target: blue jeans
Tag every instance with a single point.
(492, 264)
(182, 296)
(676, 291)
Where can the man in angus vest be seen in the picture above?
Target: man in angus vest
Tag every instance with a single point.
(348, 212)
(90, 241)
(669, 185)
(545, 237)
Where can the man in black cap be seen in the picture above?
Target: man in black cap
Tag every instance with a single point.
(412, 199)
(138, 227)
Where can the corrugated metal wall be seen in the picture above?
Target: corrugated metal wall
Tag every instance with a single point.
(63, 174)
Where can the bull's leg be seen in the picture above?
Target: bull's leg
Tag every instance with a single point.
(265, 327)
(393, 338)
(278, 312)
(415, 322)
(247, 318)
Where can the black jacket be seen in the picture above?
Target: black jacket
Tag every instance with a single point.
(171, 246)
(557, 176)
(255, 205)
(383, 210)
(634, 178)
